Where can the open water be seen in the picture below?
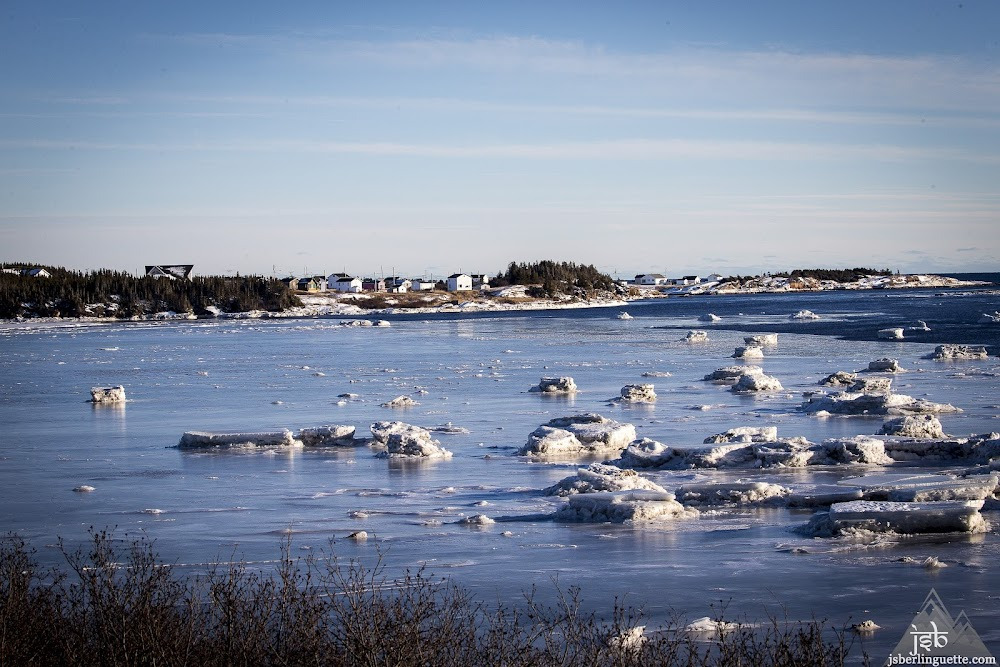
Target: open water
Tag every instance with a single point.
(474, 372)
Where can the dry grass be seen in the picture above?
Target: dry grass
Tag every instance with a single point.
(116, 603)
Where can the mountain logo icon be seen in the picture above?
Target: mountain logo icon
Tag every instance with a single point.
(935, 633)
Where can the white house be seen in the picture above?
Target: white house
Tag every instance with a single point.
(651, 279)
(687, 280)
(422, 285)
(398, 285)
(459, 282)
(347, 284)
(714, 277)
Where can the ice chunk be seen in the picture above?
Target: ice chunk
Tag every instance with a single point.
(757, 382)
(600, 477)
(738, 493)
(582, 434)
(762, 340)
(962, 352)
(400, 402)
(854, 403)
(696, 336)
(749, 352)
(884, 365)
(821, 496)
(107, 394)
(732, 373)
(710, 317)
(804, 315)
(555, 385)
(908, 517)
(637, 393)
(871, 385)
(913, 426)
(745, 434)
(623, 506)
(893, 333)
(859, 449)
(283, 438)
(414, 443)
(840, 378)
(477, 520)
(334, 434)
(624, 316)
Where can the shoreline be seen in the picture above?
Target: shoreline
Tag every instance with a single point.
(512, 299)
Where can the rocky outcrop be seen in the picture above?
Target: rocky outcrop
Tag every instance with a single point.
(555, 385)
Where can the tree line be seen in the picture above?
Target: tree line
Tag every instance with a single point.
(107, 293)
(551, 278)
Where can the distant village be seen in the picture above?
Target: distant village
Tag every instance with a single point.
(457, 282)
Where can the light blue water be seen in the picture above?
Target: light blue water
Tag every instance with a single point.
(204, 506)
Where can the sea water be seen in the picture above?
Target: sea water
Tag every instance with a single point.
(474, 373)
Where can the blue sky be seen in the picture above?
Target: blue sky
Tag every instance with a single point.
(426, 138)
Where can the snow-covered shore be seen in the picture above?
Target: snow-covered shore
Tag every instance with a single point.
(514, 298)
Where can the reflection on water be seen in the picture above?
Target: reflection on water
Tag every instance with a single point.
(475, 372)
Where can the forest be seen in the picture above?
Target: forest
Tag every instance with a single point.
(106, 293)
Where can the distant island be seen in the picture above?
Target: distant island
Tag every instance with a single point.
(29, 291)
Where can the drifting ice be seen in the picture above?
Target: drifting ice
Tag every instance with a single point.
(900, 517)
(623, 506)
(283, 438)
(561, 385)
(107, 394)
(582, 434)
(600, 477)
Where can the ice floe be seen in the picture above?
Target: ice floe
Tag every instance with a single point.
(913, 426)
(578, 435)
(732, 373)
(762, 340)
(804, 315)
(869, 403)
(892, 333)
(839, 379)
(731, 493)
(884, 365)
(756, 382)
(406, 441)
(555, 385)
(602, 477)
(624, 316)
(745, 434)
(636, 393)
(749, 352)
(696, 336)
(333, 434)
(959, 352)
(709, 317)
(634, 506)
(899, 517)
(282, 438)
(107, 394)
(400, 402)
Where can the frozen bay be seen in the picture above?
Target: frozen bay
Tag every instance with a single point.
(474, 372)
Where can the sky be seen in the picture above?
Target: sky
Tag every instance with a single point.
(427, 138)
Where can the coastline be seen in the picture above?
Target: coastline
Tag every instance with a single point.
(508, 299)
